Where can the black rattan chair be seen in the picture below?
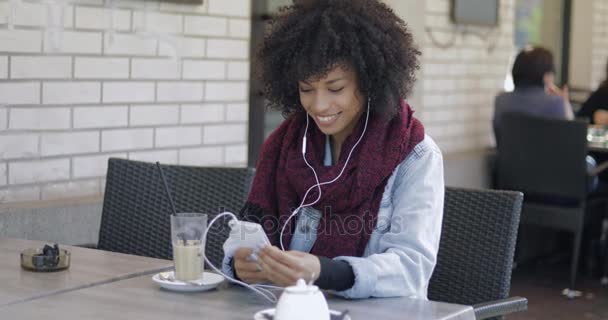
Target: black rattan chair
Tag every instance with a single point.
(475, 255)
(545, 159)
(135, 216)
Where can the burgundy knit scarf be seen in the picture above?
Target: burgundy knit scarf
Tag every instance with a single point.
(350, 205)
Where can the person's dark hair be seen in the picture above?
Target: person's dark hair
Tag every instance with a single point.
(307, 39)
(531, 65)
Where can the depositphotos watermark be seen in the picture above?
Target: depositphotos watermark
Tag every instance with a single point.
(310, 224)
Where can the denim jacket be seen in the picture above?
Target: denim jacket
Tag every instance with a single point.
(402, 250)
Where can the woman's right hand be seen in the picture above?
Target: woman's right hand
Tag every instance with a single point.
(247, 270)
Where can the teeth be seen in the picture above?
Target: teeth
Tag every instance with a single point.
(327, 119)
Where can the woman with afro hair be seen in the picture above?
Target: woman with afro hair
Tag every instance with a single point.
(348, 188)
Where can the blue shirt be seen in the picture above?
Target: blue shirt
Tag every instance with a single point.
(402, 250)
(530, 100)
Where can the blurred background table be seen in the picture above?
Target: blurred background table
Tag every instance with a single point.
(597, 136)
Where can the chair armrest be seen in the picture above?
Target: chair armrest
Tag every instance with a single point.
(500, 307)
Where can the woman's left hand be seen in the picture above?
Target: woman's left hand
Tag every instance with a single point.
(284, 268)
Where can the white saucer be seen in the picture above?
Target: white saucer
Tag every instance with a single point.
(209, 281)
(260, 314)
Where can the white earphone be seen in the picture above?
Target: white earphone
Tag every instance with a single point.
(319, 184)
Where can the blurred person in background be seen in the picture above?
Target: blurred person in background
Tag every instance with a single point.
(535, 92)
(596, 106)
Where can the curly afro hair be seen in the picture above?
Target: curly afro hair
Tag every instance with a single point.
(309, 38)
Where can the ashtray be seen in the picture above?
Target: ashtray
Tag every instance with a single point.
(47, 259)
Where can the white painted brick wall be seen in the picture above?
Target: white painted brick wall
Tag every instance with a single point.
(41, 67)
(37, 15)
(128, 44)
(185, 8)
(226, 91)
(126, 139)
(39, 118)
(154, 115)
(88, 2)
(19, 41)
(102, 18)
(237, 112)
(3, 118)
(204, 70)
(236, 154)
(39, 171)
(230, 7)
(179, 91)
(205, 113)
(101, 68)
(155, 69)
(93, 166)
(238, 70)
(220, 48)
(53, 144)
(162, 156)
(3, 67)
(178, 137)
(222, 134)
(459, 83)
(239, 28)
(128, 92)
(101, 117)
(205, 26)
(129, 82)
(3, 171)
(18, 146)
(4, 7)
(71, 92)
(75, 42)
(205, 156)
(19, 92)
(158, 22)
(136, 4)
(186, 47)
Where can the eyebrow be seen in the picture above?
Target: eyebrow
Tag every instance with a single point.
(327, 82)
(334, 80)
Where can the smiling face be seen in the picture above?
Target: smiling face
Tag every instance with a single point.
(334, 102)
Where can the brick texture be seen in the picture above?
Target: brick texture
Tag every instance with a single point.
(144, 81)
(460, 76)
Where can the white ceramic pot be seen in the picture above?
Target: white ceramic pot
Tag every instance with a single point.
(302, 302)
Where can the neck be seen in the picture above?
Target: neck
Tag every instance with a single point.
(337, 140)
(335, 149)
